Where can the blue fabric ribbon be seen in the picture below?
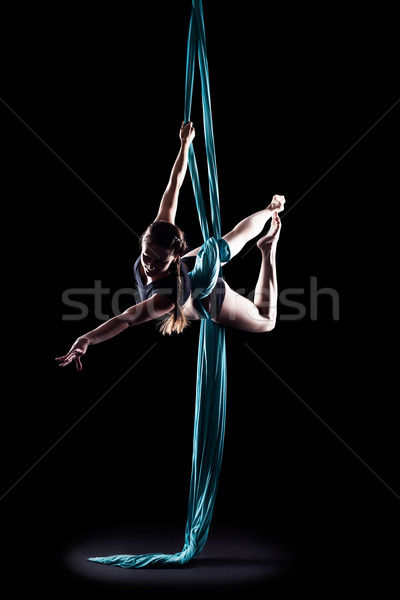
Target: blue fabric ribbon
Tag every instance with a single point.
(209, 420)
(206, 271)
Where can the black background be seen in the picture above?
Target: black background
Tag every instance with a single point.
(293, 90)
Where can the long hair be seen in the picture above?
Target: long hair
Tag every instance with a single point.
(169, 236)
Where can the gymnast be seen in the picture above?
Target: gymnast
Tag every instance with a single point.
(161, 272)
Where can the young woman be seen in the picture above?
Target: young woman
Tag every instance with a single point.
(162, 272)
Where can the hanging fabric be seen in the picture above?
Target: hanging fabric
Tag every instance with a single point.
(209, 420)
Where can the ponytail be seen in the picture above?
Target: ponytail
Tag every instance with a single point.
(176, 322)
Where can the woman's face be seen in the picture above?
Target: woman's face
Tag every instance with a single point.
(155, 259)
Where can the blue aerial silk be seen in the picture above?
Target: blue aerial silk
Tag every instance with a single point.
(209, 421)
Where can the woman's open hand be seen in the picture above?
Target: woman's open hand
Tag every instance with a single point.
(187, 132)
(77, 350)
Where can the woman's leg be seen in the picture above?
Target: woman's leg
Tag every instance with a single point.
(246, 230)
(252, 226)
(249, 228)
(258, 316)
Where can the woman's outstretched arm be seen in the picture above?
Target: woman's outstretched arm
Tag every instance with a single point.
(169, 201)
(153, 308)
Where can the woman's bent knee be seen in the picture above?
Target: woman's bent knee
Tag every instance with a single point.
(269, 326)
(260, 325)
(240, 313)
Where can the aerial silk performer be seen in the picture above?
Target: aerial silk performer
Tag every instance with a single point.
(177, 286)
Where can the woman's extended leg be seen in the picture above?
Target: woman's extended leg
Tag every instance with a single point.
(252, 226)
(258, 316)
(249, 228)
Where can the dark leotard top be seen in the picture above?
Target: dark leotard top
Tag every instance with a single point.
(166, 285)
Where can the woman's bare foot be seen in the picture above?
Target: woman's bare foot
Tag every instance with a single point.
(271, 239)
(277, 203)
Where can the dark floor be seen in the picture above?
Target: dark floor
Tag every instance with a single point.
(236, 557)
(230, 560)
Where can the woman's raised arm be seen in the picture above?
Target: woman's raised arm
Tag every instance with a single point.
(169, 201)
